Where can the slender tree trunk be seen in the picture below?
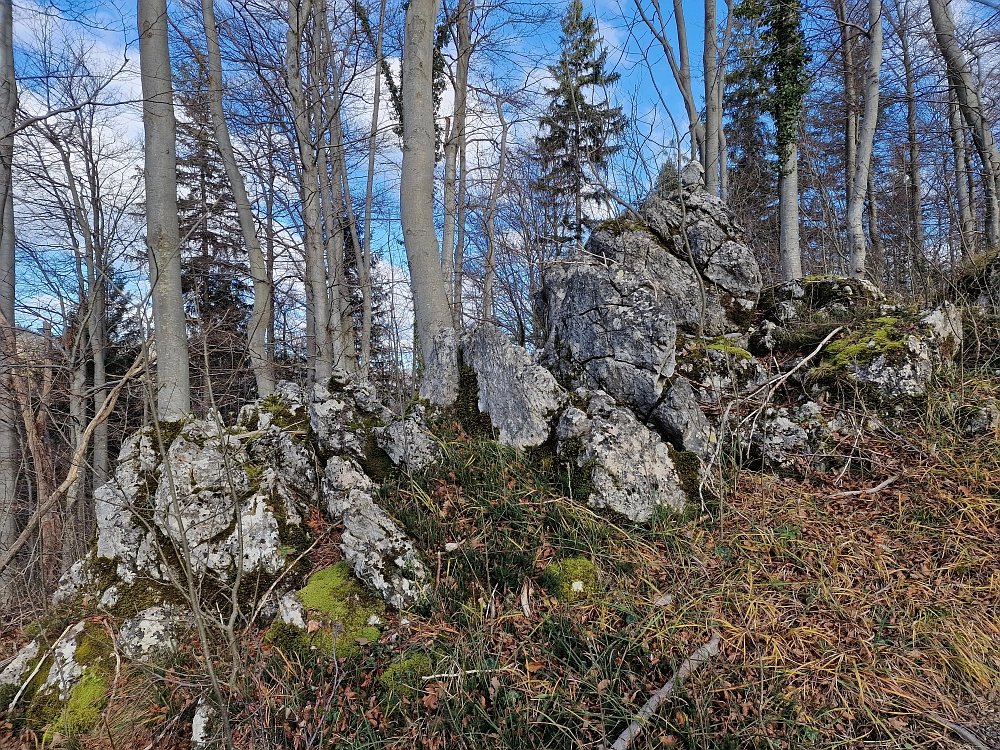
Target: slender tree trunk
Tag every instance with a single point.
(916, 184)
(318, 298)
(9, 452)
(73, 531)
(850, 99)
(491, 216)
(877, 258)
(788, 213)
(723, 142)
(461, 116)
(448, 209)
(366, 252)
(173, 398)
(969, 101)
(683, 77)
(713, 110)
(262, 295)
(866, 142)
(416, 190)
(966, 220)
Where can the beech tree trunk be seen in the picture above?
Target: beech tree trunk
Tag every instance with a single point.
(260, 359)
(366, 251)
(913, 166)
(318, 297)
(461, 116)
(866, 141)
(491, 216)
(173, 395)
(969, 101)
(850, 98)
(966, 219)
(788, 212)
(713, 108)
(416, 188)
(9, 455)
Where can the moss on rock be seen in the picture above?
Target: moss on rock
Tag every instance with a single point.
(87, 699)
(571, 579)
(341, 607)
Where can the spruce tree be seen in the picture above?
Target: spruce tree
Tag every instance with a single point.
(214, 272)
(578, 130)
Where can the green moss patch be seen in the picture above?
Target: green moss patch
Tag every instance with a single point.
(403, 676)
(87, 699)
(342, 608)
(571, 580)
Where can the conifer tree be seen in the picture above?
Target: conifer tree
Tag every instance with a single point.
(578, 130)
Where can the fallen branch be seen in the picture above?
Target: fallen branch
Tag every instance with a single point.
(698, 658)
(966, 734)
(77, 461)
(38, 666)
(867, 491)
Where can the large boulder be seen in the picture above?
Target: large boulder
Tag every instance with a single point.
(616, 309)
(628, 468)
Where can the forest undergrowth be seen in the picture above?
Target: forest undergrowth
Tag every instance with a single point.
(848, 617)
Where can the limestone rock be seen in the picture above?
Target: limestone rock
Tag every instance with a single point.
(152, 631)
(980, 419)
(519, 396)
(408, 442)
(679, 416)
(822, 297)
(377, 550)
(17, 670)
(776, 440)
(616, 310)
(894, 355)
(439, 384)
(631, 471)
(72, 582)
(65, 671)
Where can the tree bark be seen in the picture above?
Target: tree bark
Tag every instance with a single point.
(173, 398)
(850, 98)
(416, 190)
(9, 453)
(788, 214)
(491, 216)
(322, 365)
(966, 220)
(969, 101)
(866, 142)
(713, 109)
(916, 184)
(461, 116)
(262, 294)
(366, 251)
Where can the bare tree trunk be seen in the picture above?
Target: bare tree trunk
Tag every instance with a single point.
(9, 453)
(916, 184)
(866, 142)
(173, 398)
(680, 65)
(322, 365)
(461, 116)
(966, 221)
(788, 213)
(416, 190)
(262, 295)
(73, 531)
(877, 258)
(713, 109)
(491, 216)
(968, 99)
(366, 252)
(850, 98)
(723, 142)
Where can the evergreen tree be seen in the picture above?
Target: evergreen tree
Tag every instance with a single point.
(578, 130)
(214, 273)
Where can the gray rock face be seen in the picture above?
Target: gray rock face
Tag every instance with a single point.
(151, 631)
(630, 467)
(907, 370)
(407, 442)
(17, 670)
(776, 440)
(679, 417)
(519, 396)
(615, 311)
(439, 385)
(373, 545)
(821, 296)
(981, 419)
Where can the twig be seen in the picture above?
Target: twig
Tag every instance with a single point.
(779, 379)
(868, 491)
(699, 657)
(962, 732)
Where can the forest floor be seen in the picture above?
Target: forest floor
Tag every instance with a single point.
(848, 616)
